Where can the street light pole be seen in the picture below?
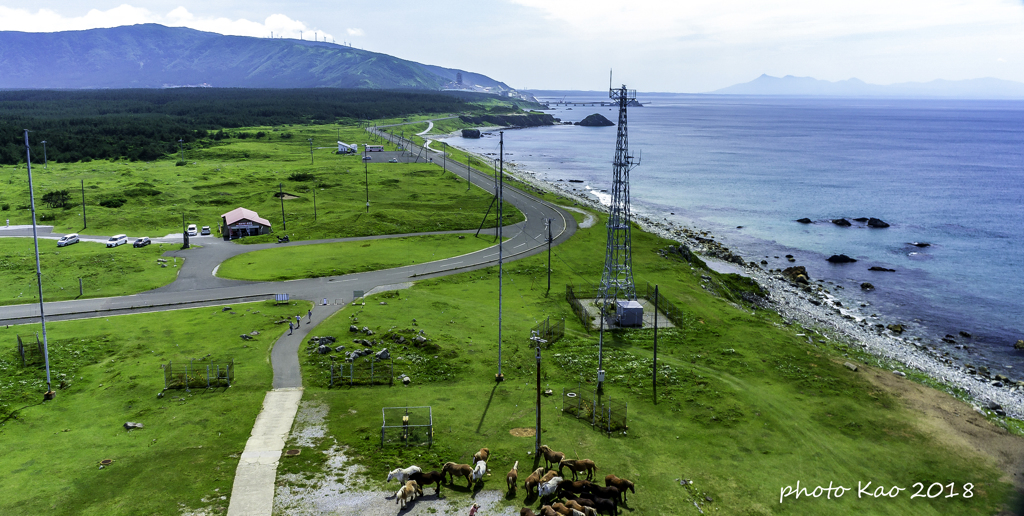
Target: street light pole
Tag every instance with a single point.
(181, 150)
(366, 181)
(44, 155)
(310, 151)
(49, 395)
(499, 377)
(444, 158)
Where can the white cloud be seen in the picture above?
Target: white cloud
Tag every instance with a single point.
(46, 20)
(746, 21)
(354, 32)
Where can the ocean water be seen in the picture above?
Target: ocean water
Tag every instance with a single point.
(946, 172)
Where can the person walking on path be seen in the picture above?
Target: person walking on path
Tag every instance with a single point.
(310, 315)
(290, 327)
(298, 321)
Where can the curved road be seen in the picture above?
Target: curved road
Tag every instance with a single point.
(197, 286)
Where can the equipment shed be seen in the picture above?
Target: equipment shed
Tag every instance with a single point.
(241, 222)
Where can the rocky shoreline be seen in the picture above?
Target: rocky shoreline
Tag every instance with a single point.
(812, 305)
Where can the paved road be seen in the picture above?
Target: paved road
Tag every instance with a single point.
(197, 286)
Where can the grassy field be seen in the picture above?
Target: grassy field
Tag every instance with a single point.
(108, 371)
(745, 407)
(118, 271)
(151, 198)
(347, 257)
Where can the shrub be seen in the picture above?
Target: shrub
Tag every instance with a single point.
(56, 198)
(301, 176)
(113, 202)
(180, 164)
(6, 206)
(47, 217)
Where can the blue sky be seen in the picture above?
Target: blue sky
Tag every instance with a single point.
(653, 45)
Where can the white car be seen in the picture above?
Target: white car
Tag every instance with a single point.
(68, 240)
(192, 231)
(117, 240)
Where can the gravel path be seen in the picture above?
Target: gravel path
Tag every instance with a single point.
(341, 490)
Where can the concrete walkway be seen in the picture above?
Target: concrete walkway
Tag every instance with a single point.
(253, 491)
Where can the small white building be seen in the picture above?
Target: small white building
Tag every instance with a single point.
(241, 222)
(344, 148)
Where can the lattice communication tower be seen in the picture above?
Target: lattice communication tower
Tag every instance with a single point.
(617, 279)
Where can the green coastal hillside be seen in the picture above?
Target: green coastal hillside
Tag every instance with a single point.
(746, 404)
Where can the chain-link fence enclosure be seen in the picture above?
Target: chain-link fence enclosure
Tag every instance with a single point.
(30, 349)
(411, 426)
(600, 411)
(547, 331)
(199, 373)
(665, 307)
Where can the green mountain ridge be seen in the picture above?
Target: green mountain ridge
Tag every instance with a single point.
(155, 56)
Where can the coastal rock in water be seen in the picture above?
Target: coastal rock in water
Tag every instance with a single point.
(861, 219)
(867, 286)
(1019, 345)
(876, 223)
(804, 220)
(895, 328)
(965, 334)
(470, 133)
(841, 222)
(920, 244)
(595, 120)
(840, 258)
(881, 269)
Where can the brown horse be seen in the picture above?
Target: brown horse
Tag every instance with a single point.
(577, 466)
(458, 470)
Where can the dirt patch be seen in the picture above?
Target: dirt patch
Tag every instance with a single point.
(523, 432)
(955, 423)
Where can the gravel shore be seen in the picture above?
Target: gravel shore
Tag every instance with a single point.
(814, 307)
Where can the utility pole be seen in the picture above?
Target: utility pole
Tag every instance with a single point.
(536, 446)
(548, 224)
(654, 378)
(49, 394)
(181, 150)
(310, 151)
(469, 166)
(444, 157)
(366, 181)
(45, 166)
(84, 225)
(314, 203)
(284, 223)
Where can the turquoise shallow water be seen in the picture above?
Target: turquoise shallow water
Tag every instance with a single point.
(949, 173)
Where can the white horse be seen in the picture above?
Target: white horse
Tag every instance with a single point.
(479, 470)
(401, 475)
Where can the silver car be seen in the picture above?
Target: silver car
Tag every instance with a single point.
(68, 240)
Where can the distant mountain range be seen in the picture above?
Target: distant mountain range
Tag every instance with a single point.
(155, 56)
(809, 86)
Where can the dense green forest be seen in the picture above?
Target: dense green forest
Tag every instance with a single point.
(144, 124)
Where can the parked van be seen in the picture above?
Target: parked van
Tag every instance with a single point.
(117, 240)
(68, 240)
